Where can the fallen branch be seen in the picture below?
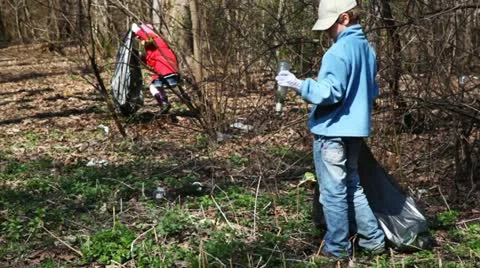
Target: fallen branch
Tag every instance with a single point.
(255, 209)
(63, 242)
(467, 221)
(140, 236)
(221, 212)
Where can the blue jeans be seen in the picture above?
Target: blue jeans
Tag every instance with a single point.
(345, 205)
(172, 80)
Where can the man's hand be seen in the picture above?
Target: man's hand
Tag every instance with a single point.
(134, 28)
(287, 79)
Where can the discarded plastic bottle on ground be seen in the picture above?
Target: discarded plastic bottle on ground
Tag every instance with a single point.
(281, 92)
(461, 80)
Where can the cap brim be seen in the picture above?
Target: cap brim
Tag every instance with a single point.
(324, 24)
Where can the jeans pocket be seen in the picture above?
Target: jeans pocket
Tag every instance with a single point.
(333, 151)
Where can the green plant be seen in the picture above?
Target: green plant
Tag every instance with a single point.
(175, 222)
(446, 218)
(39, 187)
(110, 244)
(289, 154)
(33, 139)
(49, 263)
(225, 245)
(17, 227)
(468, 238)
(151, 254)
(14, 167)
(474, 238)
(237, 160)
(279, 151)
(54, 134)
(147, 254)
(201, 141)
(64, 149)
(12, 228)
(180, 181)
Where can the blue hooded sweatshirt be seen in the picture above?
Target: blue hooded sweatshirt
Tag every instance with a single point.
(346, 88)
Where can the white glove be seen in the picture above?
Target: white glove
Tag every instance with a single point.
(134, 27)
(287, 79)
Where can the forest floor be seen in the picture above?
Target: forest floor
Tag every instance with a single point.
(74, 192)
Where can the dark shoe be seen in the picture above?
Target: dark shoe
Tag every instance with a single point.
(160, 98)
(377, 251)
(333, 257)
(338, 261)
(173, 119)
(165, 107)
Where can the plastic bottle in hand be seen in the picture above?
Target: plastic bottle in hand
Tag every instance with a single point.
(281, 92)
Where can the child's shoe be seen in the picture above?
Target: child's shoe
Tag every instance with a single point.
(163, 102)
(165, 107)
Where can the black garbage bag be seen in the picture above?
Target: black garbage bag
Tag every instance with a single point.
(127, 82)
(402, 221)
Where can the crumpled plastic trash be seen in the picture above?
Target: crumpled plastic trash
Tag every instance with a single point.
(159, 193)
(307, 179)
(99, 163)
(105, 128)
(241, 126)
(221, 137)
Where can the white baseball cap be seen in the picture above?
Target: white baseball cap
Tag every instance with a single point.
(329, 11)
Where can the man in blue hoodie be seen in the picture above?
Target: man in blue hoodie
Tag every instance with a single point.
(342, 98)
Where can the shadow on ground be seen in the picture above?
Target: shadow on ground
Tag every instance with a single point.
(65, 113)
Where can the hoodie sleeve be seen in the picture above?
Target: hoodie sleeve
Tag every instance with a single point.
(331, 85)
(142, 35)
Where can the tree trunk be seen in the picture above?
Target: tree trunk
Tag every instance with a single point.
(3, 33)
(100, 85)
(197, 50)
(156, 14)
(29, 28)
(464, 48)
(374, 36)
(405, 119)
(389, 22)
(279, 21)
(18, 21)
(53, 31)
(179, 25)
(64, 24)
(80, 19)
(101, 22)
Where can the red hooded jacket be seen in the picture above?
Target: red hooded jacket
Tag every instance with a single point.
(158, 56)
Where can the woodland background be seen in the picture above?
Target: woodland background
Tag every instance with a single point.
(56, 61)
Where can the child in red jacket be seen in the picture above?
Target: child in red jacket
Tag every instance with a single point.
(161, 59)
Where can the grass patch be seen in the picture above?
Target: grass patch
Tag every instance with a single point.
(233, 225)
(109, 245)
(291, 155)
